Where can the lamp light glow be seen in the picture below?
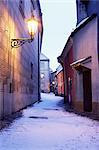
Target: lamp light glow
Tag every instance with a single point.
(42, 75)
(32, 26)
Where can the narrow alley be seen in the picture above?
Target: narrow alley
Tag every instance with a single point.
(47, 126)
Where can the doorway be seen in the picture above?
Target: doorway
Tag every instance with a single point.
(87, 90)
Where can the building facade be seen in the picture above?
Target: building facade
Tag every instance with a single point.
(52, 81)
(81, 65)
(86, 64)
(91, 9)
(45, 73)
(19, 67)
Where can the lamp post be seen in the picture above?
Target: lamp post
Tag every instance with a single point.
(38, 69)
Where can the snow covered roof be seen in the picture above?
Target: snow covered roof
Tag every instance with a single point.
(83, 23)
(59, 69)
(69, 42)
(43, 57)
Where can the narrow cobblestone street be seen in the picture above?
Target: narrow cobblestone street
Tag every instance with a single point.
(47, 126)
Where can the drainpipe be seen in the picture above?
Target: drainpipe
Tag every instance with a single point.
(39, 97)
(3, 101)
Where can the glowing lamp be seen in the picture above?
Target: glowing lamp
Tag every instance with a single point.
(32, 27)
(32, 24)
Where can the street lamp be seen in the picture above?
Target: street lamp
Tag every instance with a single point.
(33, 27)
(32, 24)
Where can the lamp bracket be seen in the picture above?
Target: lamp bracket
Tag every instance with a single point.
(15, 43)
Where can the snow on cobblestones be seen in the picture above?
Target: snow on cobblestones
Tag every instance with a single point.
(47, 126)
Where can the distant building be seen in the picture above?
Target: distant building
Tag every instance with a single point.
(45, 73)
(60, 81)
(52, 81)
(57, 81)
(19, 67)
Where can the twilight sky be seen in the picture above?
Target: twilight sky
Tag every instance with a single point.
(59, 20)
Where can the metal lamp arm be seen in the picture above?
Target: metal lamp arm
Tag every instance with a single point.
(15, 43)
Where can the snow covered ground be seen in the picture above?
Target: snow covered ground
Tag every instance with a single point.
(47, 126)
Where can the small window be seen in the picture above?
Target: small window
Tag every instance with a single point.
(84, 1)
(42, 64)
(10, 88)
(31, 71)
(33, 4)
(21, 8)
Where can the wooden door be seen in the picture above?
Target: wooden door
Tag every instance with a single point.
(87, 91)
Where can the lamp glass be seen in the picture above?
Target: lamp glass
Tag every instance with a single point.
(42, 75)
(32, 26)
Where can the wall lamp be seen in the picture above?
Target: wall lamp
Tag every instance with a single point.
(32, 24)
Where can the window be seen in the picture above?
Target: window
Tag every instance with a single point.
(42, 64)
(33, 3)
(83, 10)
(84, 1)
(21, 8)
(31, 71)
(11, 87)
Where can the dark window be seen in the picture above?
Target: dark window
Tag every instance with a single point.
(10, 88)
(84, 1)
(21, 8)
(33, 4)
(85, 4)
(31, 71)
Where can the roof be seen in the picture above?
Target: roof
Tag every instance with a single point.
(83, 23)
(69, 42)
(43, 57)
(81, 61)
(80, 64)
(59, 69)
